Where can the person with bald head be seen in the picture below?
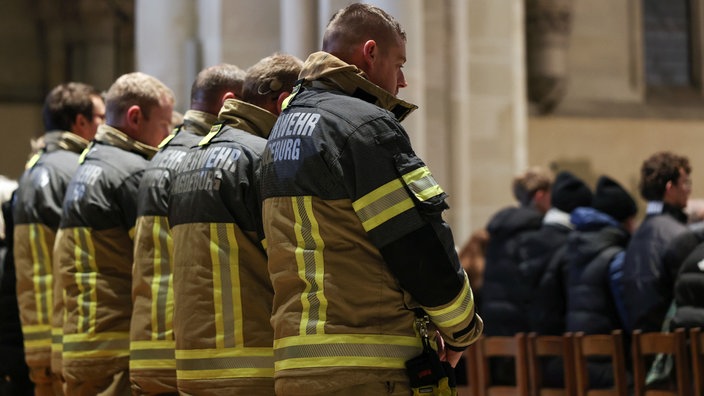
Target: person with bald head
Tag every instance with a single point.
(94, 245)
(152, 346)
(360, 258)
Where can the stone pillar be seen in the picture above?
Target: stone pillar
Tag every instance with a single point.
(163, 30)
(250, 30)
(299, 27)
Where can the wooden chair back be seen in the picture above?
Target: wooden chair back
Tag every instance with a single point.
(610, 345)
(646, 346)
(472, 373)
(550, 346)
(514, 347)
(697, 351)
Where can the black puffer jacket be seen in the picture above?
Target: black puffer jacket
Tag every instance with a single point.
(506, 293)
(689, 286)
(648, 282)
(591, 307)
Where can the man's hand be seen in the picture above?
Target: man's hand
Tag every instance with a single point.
(448, 355)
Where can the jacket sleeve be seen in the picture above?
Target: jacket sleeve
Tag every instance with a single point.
(616, 287)
(400, 206)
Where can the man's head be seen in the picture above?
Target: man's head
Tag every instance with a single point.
(140, 106)
(369, 38)
(215, 84)
(74, 107)
(270, 81)
(532, 188)
(614, 200)
(569, 192)
(665, 177)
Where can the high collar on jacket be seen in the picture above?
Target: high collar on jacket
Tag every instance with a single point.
(247, 117)
(63, 140)
(660, 207)
(114, 137)
(199, 122)
(324, 70)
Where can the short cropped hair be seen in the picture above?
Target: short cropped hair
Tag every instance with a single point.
(65, 102)
(213, 82)
(357, 23)
(132, 89)
(269, 77)
(657, 170)
(529, 182)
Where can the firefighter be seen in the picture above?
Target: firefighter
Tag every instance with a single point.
(222, 292)
(152, 360)
(356, 243)
(71, 114)
(94, 244)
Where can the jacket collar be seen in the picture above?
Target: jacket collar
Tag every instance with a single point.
(660, 207)
(247, 117)
(114, 137)
(199, 122)
(63, 140)
(326, 71)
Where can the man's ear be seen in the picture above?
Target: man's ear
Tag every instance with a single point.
(226, 96)
(370, 51)
(280, 101)
(79, 122)
(133, 115)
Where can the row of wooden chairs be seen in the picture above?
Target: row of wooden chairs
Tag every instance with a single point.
(574, 350)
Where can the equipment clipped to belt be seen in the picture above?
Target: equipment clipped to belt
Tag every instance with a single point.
(428, 375)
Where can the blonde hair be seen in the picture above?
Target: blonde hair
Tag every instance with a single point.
(529, 182)
(132, 89)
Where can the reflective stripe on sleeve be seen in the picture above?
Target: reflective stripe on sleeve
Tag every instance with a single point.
(460, 309)
(422, 183)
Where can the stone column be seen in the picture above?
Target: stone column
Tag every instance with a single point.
(299, 27)
(163, 29)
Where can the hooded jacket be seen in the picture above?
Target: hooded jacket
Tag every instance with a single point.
(152, 359)
(94, 249)
(222, 291)
(506, 293)
(355, 236)
(37, 212)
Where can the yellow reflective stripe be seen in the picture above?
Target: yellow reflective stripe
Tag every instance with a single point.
(86, 278)
(162, 281)
(108, 344)
(422, 183)
(217, 286)
(157, 354)
(379, 362)
(152, 344)
(57, 335)
(226, 283)
(265, 244)
(224, 363)
(33, 161)
(97, 337)
(459, 310)
(223, 353)
(36, 336)
(382, 204)
(224, 373)
(344, 350)
(42, 277)
(311, 268)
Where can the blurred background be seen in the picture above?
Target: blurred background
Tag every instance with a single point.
(590, 86)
